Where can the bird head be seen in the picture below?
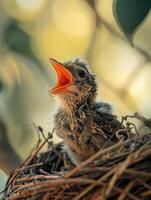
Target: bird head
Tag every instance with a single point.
(75, 81)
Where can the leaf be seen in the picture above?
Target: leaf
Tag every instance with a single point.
(129, 14)
(19, 41)
(1, 86)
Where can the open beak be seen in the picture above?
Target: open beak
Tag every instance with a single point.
(65, 78)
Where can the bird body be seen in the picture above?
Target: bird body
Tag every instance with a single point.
(84, 124)
(84, 131)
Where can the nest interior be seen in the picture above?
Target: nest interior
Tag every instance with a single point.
(121, 171)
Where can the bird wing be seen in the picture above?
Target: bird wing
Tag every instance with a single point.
(103, 107)
(108, 123)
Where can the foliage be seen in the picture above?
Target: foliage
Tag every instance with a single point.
(19, 41)
(129, 14)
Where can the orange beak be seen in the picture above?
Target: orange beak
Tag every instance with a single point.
(65, 78)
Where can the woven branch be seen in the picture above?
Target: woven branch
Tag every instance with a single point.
(115, 172)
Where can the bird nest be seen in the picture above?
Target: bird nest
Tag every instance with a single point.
(115, 172)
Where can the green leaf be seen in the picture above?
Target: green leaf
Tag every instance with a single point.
(19, 41)
(129, 14)
(1, 86)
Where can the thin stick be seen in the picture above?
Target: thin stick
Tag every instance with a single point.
(92, 158)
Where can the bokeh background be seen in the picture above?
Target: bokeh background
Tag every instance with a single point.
(31, 31)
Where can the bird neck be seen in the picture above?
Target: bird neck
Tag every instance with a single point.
(71, 104)
(74, 106)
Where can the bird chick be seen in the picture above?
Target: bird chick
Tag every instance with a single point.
(83, 124)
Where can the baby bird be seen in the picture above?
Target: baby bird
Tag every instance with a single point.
(84, 124)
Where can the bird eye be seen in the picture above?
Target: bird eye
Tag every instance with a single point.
(82, 74)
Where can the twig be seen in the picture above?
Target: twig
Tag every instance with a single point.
(92, 158)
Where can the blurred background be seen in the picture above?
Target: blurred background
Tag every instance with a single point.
(31, 31)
